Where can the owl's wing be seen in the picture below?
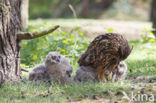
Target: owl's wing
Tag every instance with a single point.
(85, 59)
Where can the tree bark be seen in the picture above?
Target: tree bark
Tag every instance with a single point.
(10, 24)
(24, 13)
(85, 8)
(153, 15)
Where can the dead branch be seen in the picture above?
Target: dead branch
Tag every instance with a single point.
(32, 35)
(23, 69)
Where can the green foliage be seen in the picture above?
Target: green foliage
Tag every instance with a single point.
(109, 30)
(147, 35)
(69, 44)
(51, 8)
(60, 8)
(42, 8)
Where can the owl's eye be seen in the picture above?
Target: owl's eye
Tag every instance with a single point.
(121, 65)
(53, 57)
(59, 56)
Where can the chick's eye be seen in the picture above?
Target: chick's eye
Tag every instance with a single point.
(121, 65)
(53, 57)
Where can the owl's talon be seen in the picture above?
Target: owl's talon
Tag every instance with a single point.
(104, 80)
(110, 76)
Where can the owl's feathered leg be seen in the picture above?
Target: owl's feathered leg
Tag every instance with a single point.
(110, 75)
(101, 74)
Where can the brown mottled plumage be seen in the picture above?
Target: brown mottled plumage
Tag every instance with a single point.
(105, 51)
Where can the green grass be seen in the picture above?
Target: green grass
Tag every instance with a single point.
(141, 62)
(28, 92)
(142, 59)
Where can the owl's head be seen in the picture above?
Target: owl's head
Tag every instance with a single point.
(53, 57)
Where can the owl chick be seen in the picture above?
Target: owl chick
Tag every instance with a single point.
(121, 72)
(84, 74)
(105, 51)
(38, 73)
(58, 68)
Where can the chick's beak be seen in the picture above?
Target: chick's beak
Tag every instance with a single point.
(58, 60)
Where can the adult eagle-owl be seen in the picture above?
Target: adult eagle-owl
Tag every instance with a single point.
(105, 51)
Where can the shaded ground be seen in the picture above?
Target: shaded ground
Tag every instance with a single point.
(131, 29)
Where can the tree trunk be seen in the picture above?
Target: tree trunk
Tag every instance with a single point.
(153, 15)
(85, 6)
(24, 13)
(10, 24)
(11, 27)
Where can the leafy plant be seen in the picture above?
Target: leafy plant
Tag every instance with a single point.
(147, 35)
(70, 44)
